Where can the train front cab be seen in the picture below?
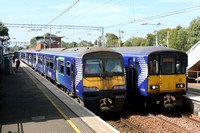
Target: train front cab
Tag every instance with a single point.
(167, 80)
(103, 81)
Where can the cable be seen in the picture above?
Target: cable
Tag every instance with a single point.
(156, 16)
(63, 12)
(90, 11)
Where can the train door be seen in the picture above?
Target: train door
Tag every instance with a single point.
(44, 64)
(29, 59)
(73, 66)
(132, 78)
(57, 69)
(130, 74)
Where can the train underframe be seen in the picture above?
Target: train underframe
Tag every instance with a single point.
(105, 101)
(167, 100)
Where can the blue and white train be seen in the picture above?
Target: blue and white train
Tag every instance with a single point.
(94, 75)
(156, 74)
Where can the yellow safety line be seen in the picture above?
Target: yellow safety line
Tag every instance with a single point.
(67, 119)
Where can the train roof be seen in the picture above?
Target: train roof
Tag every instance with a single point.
(79, 51)
(143, 50)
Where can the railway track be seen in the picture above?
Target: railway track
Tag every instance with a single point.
(170, 123)
(136, 122)
(132, 126)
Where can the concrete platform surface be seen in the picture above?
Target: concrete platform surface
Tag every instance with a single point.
(30, 104)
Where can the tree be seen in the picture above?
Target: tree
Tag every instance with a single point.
(178, 38)
(98, 42)
(193, 32)
(150, 40)
(111, 40)
(33, 42)
(3, 30)
(135, 41)
(66, 44)
(83, 43)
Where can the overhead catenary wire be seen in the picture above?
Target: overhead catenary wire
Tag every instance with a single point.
(63, 12)
(90, 11)
(156, 16)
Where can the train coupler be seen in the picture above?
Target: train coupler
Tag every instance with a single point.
(106, 104)
(169, 101)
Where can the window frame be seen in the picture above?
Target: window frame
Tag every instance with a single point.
(68, 68)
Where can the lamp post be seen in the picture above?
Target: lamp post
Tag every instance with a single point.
(156, 31)
(119, 39)
(88, 41)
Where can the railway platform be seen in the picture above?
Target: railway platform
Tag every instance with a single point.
(192, 99)
(31, 104)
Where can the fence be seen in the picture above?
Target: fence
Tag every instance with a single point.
(194, 75)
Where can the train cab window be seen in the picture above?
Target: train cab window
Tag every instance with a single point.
(93, 66)
(181, 64)
(153, 66)
(168, 64)
(113, 65)
(68, 64)
(62, 67)
(51, 63)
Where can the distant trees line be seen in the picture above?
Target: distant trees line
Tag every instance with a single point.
(179, 38)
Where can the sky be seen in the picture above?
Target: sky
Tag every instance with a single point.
(113, 15)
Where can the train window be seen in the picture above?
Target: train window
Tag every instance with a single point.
(93, 66)
(113, 65)
(40, 60)
(181, 64)
(168, 64)
(51, 63)
(34, 58)
(68, 64)
(26, 56)
(153, 66)
(47, 62)
(62, 67)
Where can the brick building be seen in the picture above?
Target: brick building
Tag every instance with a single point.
(48, 42)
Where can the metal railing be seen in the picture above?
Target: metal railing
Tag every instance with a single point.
(195, 77)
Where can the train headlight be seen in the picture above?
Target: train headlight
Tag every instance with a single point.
(180, 85)
(119, 87)
(90, 89)
(153, 87)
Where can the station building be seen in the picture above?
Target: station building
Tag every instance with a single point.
(44, 42)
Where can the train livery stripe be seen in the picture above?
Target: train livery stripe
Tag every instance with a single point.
(61, 58)
(67, 119)
(144, 70)
(79, 75)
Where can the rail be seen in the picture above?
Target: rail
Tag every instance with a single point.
(195, 75)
